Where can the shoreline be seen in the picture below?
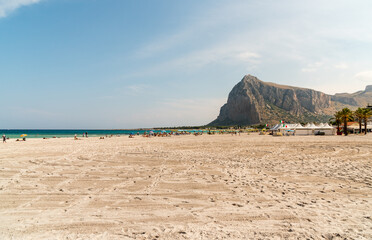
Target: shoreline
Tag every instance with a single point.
(95, 136)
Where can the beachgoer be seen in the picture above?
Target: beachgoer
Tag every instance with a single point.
(86, 134)
(75, 137)
(4, 138)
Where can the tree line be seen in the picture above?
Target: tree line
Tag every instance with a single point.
(361, 115)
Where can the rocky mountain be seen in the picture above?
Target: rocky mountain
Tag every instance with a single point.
(253, 101)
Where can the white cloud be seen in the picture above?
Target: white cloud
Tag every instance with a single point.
(313, 67)
(248, 56)
(8, 6)
(324, 65)
(218, 53)
(228, 53)
(138, 88)
(308, 69)
(168, 42)
(341, 66)
(365, 76)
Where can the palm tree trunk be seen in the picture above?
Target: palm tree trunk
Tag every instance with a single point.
(345, 127)
(365, 126)
(360, 126)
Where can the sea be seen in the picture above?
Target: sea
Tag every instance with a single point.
(66, 133)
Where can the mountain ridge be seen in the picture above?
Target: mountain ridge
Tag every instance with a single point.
(253, 101)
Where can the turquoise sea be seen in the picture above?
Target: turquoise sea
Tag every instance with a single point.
(50, 133)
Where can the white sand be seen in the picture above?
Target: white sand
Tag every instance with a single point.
(187, 187)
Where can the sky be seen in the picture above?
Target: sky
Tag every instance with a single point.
(114, 64)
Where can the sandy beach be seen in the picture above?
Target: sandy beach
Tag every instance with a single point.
(187, 187)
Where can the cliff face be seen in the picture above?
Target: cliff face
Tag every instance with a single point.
(253, 101)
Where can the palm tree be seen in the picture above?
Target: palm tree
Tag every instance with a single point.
(346, 115)
(337, 119)
(367, 113)
(358, 114)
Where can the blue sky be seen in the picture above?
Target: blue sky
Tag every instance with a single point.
(130, 64)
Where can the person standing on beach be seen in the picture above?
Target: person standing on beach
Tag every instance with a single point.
(86, 134)
(4, 138)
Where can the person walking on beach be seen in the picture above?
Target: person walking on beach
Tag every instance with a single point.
(4, 138)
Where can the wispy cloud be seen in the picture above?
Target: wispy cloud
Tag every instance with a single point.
(8, 6)
(341, 66)
(164, 44)
(228, 54)
(365, 76)
(324, 65)
(307, 44)
(217, 54)
(312, 67)
(138, 88)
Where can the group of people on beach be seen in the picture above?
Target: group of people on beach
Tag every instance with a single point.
(156, 134)
(84, 135)
(147, 134)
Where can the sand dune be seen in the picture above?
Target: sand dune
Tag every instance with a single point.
(187, 187)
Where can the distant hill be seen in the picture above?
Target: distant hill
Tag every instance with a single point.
(253, 101)
(358, 99)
